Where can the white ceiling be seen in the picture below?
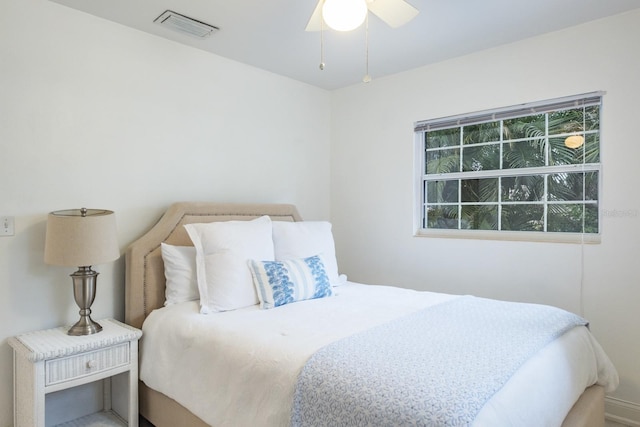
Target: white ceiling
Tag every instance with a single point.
(269, 34)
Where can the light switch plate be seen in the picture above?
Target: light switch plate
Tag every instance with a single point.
(7, 226)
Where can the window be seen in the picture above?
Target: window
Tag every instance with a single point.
(527, 172)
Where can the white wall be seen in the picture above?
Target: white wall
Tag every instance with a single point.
(95, 114)
(99, 115)
(372, 182)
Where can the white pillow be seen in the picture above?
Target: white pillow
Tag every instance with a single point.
(283, 282)
(222, 250)
(180, 273)
(293, 240)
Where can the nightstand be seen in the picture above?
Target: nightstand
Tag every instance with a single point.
(50, 360)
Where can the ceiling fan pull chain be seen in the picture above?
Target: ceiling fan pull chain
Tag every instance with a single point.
(367, 77)
(322, 44)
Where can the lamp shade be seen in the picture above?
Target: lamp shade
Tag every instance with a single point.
(81, 237)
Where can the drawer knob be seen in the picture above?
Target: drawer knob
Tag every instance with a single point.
(91, 364)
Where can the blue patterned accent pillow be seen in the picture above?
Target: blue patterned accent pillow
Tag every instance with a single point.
(282, 282)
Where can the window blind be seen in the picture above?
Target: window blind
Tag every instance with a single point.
(528, 109)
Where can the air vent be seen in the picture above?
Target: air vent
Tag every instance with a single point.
(184, 24)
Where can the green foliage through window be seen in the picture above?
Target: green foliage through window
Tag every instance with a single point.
(533, 169)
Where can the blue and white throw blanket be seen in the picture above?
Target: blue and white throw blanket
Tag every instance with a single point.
(435, 367)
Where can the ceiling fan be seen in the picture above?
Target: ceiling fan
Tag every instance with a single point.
(393, 12)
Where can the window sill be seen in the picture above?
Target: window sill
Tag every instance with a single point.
(525, 236)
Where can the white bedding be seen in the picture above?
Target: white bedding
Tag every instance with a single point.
(240, 367)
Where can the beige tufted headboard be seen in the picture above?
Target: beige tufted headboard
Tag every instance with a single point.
(144, 278)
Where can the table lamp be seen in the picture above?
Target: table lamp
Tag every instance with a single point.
(82, 238)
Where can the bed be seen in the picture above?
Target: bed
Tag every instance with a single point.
(176, 390)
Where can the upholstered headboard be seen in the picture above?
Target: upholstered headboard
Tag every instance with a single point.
(144, 278)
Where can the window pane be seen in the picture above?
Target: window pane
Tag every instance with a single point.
(566, 121)
(587, 152)
(591, 218)
(442, 191)
(527, 188)
(483, 132)
(480, 190)
(479, 217)
(565, 186)
(591, 186)
(524, 127)
(443, 161)
(523, 217)
(442, 138)
(592, 148)
(568, 218)
(523, 154)
(442, 216)
(561, 154)
(592, 117)
(483, 157)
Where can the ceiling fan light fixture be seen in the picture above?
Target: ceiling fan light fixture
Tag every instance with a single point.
(344, 15)
(574, 141)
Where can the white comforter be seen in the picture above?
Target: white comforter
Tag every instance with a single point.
(239, 368)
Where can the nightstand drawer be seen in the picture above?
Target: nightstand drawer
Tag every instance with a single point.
(81, 365)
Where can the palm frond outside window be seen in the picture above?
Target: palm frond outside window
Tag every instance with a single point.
(512, 169)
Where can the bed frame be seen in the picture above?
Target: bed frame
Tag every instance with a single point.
(145, 283)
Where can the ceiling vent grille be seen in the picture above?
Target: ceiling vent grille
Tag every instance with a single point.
(184, 24)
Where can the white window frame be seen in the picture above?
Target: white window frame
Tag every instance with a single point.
(421, 177)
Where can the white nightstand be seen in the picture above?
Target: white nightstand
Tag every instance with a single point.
(50, 360)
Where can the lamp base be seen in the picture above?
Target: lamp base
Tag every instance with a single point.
(85, 326)
(84, 292)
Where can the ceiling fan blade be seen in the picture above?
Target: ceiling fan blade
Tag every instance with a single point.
(394, 12)
(315, 22)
